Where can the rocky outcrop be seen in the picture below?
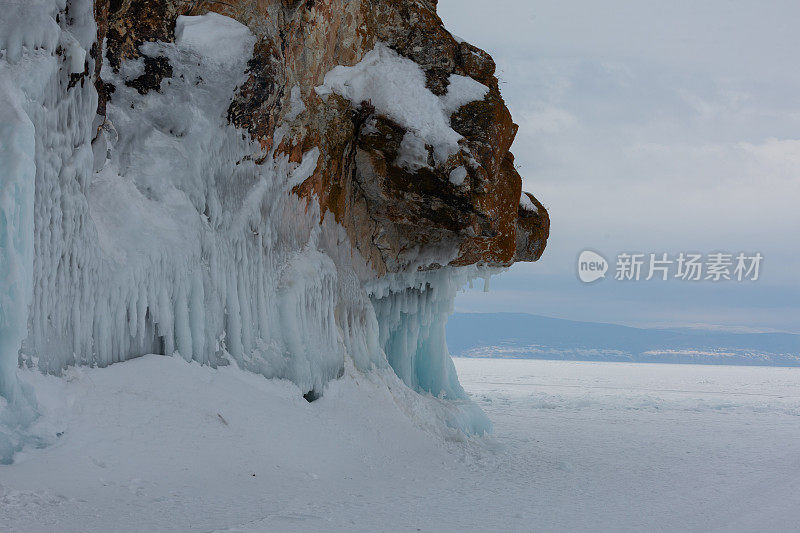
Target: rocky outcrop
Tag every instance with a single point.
(395, 217)
(297, 187)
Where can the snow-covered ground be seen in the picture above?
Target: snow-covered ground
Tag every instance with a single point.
(159, 444)
(630, 446)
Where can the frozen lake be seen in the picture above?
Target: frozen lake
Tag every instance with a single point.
(643, 446)
(158, 444)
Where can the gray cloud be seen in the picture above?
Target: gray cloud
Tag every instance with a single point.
(651, 126)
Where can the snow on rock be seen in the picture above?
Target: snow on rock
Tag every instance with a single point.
(413, 152)
(296, 101)
(217, 38)
(458, 175)
(461, 91)
(395, 86)
(306, 167)
(526, 203)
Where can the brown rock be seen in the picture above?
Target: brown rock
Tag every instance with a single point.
(391, 215)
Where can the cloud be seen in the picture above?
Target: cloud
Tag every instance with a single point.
(782, 157)
(544, 118)
(651, 126)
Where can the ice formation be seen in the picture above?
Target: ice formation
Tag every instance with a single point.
(161, 227)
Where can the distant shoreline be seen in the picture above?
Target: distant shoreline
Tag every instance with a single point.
(533, 337)
(631, 361)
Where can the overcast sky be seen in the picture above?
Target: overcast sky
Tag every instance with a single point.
(655, 127)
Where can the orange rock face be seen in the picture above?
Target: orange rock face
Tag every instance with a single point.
(392, 216)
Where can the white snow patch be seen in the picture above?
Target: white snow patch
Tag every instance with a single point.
(306, 168)
(458, 175)
(461, 91)
(395, 86)
(526, 203)
(296, 102)
(413, 152)
(216, 37)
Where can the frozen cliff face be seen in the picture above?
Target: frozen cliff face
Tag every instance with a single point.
(288, 185)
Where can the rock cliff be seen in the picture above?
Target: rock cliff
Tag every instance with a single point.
(393, 215)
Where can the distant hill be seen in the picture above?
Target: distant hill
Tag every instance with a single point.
(524, 336)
